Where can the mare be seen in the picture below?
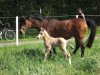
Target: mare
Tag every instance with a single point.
(74, 27)
(51, 42)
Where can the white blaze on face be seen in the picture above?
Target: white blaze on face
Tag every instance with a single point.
(23, 32)
(41, 34)
(23, 29)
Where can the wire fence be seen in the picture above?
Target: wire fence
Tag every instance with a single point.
(7, 30)
(74, 16)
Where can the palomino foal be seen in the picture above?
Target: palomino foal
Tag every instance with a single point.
(51, 42)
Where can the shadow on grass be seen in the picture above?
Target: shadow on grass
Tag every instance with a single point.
(33, 53)
(87, 65)
(38, 54)
(19, 57)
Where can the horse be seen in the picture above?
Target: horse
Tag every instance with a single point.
(74, 27)
(51, 42)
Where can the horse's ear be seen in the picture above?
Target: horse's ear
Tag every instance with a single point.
(23, 17)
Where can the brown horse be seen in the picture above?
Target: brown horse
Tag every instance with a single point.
(74, 27)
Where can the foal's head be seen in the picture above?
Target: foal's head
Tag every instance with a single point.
(42, 34)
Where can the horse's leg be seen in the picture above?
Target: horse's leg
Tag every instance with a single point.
(77, 45)
(47, 52)
(82, 46)
(82, 50)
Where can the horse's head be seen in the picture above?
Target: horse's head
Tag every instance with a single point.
(35, 21)
(25, 24)
(43, 33)
(38, 21)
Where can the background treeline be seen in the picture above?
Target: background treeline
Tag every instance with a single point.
(11, 8)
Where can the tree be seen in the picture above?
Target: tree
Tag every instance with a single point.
(49, 7)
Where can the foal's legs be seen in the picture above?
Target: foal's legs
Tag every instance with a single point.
(66, 53)
(82, 50)
(52, 51)
(48, 49)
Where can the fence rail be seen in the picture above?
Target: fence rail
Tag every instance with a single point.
(56, 16)
(8, 17)
(74, 15)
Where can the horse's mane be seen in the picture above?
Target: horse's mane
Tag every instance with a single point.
(38, 17)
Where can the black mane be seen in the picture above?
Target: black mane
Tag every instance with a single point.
(36, 17)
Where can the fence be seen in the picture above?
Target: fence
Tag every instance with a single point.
(13, 21)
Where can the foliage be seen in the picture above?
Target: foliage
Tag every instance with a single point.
(50, 7)
(11, 8)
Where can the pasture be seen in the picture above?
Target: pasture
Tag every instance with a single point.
(28, 60)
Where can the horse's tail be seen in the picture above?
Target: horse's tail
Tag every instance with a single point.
(92, 27)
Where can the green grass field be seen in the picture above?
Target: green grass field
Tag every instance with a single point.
(28, 59)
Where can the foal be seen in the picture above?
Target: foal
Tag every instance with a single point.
(51, 42)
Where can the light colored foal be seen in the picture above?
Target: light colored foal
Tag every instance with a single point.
(51, 42)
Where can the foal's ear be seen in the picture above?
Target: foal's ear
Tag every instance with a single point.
(42, 29)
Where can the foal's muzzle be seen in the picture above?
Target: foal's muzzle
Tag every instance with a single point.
(38, 37)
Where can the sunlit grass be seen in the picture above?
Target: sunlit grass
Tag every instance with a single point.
(29, 60)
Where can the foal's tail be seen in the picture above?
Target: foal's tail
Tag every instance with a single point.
(92, 27)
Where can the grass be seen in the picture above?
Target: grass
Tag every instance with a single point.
(98, 30)
(28, 60)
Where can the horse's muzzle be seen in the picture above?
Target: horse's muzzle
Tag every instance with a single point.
(22, 31)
